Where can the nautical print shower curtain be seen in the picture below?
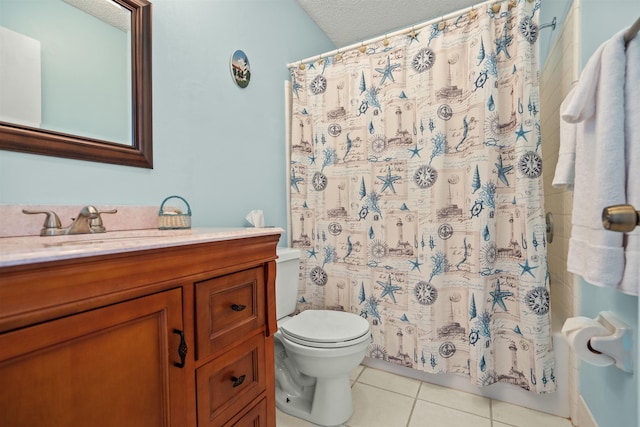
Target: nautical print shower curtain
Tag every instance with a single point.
(416, 195)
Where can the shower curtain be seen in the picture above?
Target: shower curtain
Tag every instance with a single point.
(416, 195)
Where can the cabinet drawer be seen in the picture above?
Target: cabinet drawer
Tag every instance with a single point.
(228, 307)
(256, 417)
(230, 382)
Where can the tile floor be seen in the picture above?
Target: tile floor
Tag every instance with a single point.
(382, 399)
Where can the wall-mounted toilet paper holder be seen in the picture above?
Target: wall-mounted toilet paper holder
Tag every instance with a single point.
(618, 345)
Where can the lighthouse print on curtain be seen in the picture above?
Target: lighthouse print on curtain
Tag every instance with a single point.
(416, 196)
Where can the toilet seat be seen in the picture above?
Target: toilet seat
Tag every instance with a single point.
(326, 329)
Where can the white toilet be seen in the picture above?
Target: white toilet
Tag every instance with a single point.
(314, 352)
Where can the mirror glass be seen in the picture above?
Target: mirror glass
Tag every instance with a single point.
(76, 72)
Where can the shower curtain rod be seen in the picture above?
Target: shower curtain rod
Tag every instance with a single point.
(395, 33)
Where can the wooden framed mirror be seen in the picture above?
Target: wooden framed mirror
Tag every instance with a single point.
(135, 111)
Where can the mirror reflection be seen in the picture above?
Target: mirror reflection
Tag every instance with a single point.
(65, 66)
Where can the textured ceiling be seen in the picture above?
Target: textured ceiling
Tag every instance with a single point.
(350, 21)
(106, 11)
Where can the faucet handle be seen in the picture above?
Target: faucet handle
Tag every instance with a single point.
(51, 226)
(112, 211)
(96, 225)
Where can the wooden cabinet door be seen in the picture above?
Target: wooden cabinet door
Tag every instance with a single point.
(112, 366)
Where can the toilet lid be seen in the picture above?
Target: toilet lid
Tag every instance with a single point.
(326, 328)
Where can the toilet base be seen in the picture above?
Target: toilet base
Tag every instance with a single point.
(321, 401)
(327, 403)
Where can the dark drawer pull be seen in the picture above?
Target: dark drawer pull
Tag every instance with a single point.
(182, 349)
(238, 380)
(238, 307)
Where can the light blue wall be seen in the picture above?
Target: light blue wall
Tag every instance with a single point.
(219, 146)
(551, 9)
(611, 394)
(602, 19)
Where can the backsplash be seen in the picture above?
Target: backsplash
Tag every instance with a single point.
(14, 223)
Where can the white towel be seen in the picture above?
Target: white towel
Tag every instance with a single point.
(631, 280)
(593, 151)
(566, 167)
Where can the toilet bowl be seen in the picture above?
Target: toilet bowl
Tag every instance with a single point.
(315, 351)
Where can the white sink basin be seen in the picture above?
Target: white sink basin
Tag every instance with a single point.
(110, 237)
(39, 242)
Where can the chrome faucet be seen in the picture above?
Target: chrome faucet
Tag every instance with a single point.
(87, 221)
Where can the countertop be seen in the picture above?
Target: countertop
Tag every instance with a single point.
(35, 249)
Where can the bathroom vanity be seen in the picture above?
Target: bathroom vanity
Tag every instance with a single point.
(170, 329)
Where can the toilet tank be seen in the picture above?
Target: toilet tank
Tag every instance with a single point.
(287, 269)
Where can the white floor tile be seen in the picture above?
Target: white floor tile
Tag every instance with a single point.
(430, 414)
(391, 382)
(356, 373)
(382, 399)
(375, 407)
(455, 399)
(524, 417)
(286, 420)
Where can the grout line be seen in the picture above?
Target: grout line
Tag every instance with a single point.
(415, 400)
(358, 376)
(390, 391)
(491, 411)
(453, 407)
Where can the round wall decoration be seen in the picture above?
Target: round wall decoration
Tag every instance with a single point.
(240, 69)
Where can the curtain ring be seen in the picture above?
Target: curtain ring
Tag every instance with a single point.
(320, 60)
(362, 48)
(512, 4)
(301, 66)
(385, 42)
(338, 56)
(441, 24)
(496, 7)
(473, 14)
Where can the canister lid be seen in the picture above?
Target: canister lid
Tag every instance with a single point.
(286, 254)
